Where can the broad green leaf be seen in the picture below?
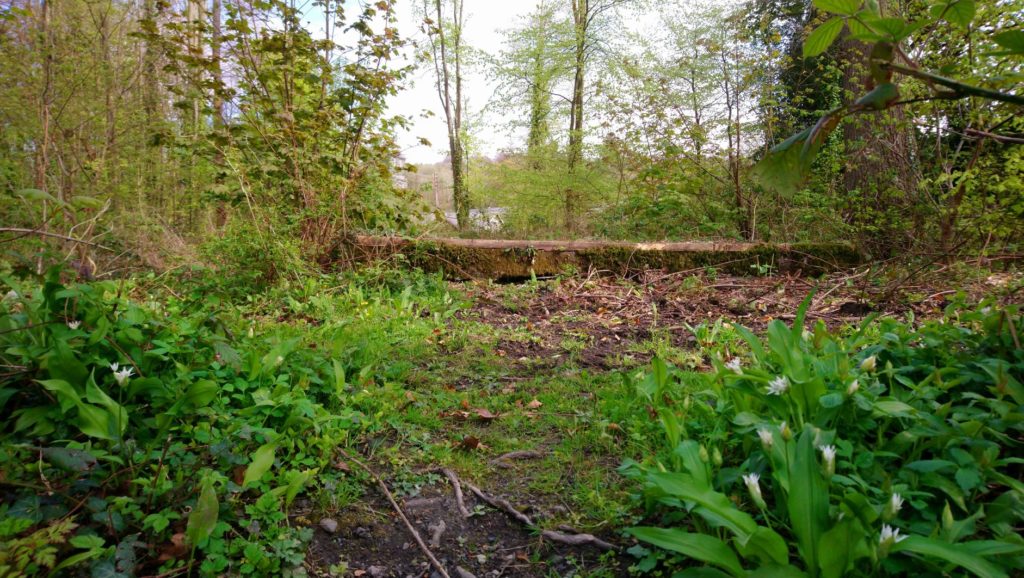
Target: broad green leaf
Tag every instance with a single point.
(203, 517)
(958, 12)
(725, 512)
(67, 397)
(86, 203)
(297, 483)
(808, 498)
(202, 392)
(893, 408)
(262, 459)
(845, 7)
(822, 37)
(1012, 40)
(766, 545)
(774, 571)
(96, 422)
(837, 549)
(880, 98)
(958, 554)
(70, 459)
(697, 546)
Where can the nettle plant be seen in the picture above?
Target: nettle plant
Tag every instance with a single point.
(890, 451)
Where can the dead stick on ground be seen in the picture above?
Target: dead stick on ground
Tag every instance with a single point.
(412, 530)
(457, 487)
(569, 539)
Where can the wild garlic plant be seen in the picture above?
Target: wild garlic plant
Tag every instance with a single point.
(888, 451)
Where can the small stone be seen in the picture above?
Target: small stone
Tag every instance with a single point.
(463, 573)
(329, 525)
(481, 558)
(362, 532)
(377, 571)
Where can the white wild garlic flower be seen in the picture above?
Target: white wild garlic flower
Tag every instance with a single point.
(735, 365)
(778, 386)
(828, 453)
(73, 325)
(123, 375)
(766, 438)
(890, 536)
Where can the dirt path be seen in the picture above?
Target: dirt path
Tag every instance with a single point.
(538, 367)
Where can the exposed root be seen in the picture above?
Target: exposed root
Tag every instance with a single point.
(457, 487)
(502, 460)
(554, 536)
(412, 530)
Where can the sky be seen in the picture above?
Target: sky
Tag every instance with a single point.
(484, 21)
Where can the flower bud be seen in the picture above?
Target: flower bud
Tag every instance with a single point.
(869, 363)
(716, 457)
(766, 438)
(787, 434)
(704, 454)
(892, 507)
(852, 388)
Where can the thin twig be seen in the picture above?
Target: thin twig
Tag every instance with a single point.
(412, 530)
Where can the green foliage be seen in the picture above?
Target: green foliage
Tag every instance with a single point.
(179, 440)
(882, 451)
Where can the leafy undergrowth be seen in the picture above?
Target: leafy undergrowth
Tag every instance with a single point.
(197, 432)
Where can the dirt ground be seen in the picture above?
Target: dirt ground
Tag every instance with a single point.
(597, 324)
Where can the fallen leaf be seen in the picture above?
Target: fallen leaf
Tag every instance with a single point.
(465, 404)
(359, 573)
(534, 404)
(410, 396)
(470, 443)
(485, 414)
(341, 466)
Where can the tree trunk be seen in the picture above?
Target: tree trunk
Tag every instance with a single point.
(580, 16)
(878, 176)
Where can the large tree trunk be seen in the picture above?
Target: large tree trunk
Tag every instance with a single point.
(878, 175)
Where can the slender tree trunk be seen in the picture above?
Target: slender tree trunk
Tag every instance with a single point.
(453, 110)
(580, 16)
(221, 214)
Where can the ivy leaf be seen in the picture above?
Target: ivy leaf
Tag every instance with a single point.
(823, 37)
(844, 7)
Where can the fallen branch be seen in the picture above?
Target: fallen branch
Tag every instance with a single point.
(577, 539)
(457, 487)
(412, 530)
(517, 455)
(48, 234)
(503, 505)
(554, 536)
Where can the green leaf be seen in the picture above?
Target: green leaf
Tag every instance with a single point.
(1012, 40)
(837, 549)
(202, 392)
(203, 517)
(96, 422)
(880, 98)
(958, 554)
(86, 203)
(723, 510)
(70, 459)
(958, 12)
(808, 498)
(297, 483)
(766, 545)
(262, 459)
(66, 395)
(697, 546)
(822, 37)
(845, 7)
